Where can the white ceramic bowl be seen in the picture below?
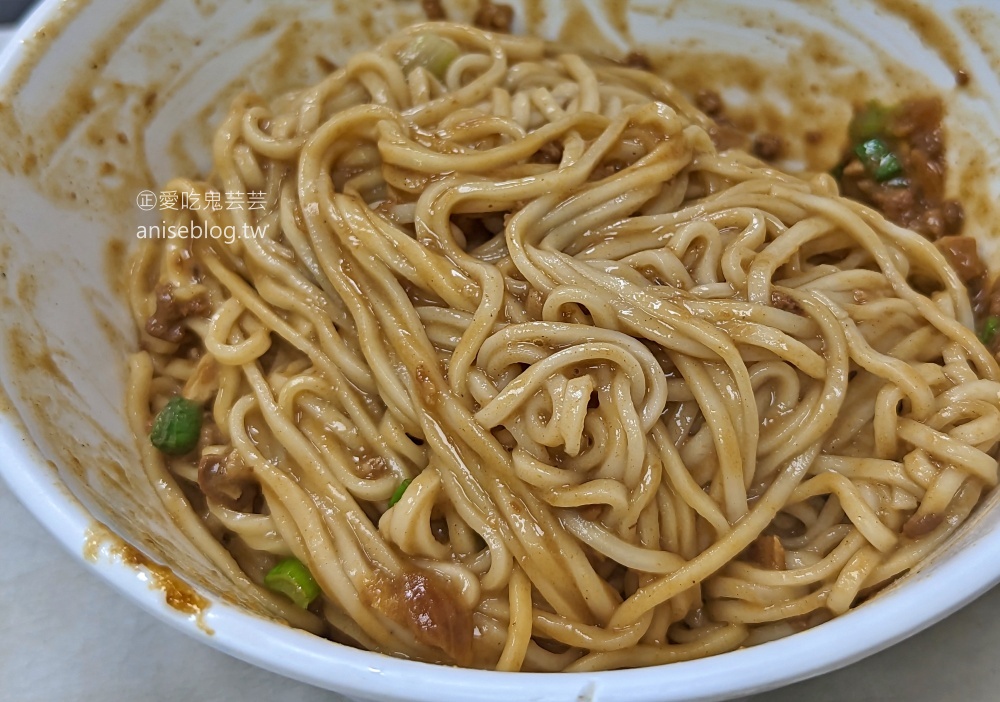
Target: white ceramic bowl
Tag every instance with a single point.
(100, 100)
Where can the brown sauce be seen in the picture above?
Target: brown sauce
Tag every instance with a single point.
(915, 526)
(176, 593)
(912, 192)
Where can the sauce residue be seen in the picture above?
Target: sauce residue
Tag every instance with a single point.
(176, 593)
(927, 25)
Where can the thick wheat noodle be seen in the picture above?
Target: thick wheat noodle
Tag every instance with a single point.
(622, 450)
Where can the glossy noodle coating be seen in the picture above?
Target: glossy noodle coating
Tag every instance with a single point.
(655, 402)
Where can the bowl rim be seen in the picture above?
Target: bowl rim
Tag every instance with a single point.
(887, 619)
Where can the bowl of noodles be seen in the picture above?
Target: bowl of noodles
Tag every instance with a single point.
(452, 350)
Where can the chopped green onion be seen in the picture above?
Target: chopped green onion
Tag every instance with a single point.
(293, 580)
(889, 168)
(398, 494)
(429, 51)
(878, 159)
(177, 426)
(989, 331)
(869, 123)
